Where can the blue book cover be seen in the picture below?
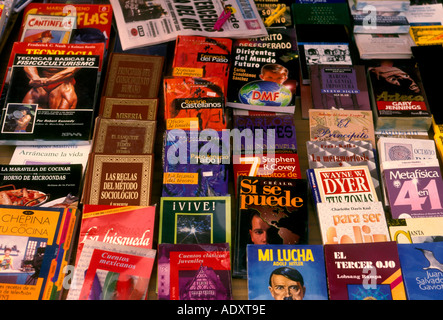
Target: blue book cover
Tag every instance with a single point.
(286, 272)
(422, 268)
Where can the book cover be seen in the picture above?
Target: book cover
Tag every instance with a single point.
(89, 254)
(397, 96)
(394, 149)
(194, 272)
(117, 276)
(36, 245)
(426, 35)
(269, 211)
(321, 12)
(47, 28)
(286, 272)
(327, 154)
(339, 87)
(195, 163)
(417, 230)
(93, 25)
(342, 184)
(128, 109)
(343, 223)
(384, 45)
(195, 220)
(119, 180)
(422, 270)
(264, 72)
(413, 188)
(276, 133)
(133, 76)
(391, 5)
(125, 225)
(278, 165)
(364, 271)
(202, 57)
(341, 125)
(55, 185)
(275, 13)
(51, 105)
(191, 102)
(113, 136)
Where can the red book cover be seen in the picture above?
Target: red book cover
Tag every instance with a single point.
(123, 225)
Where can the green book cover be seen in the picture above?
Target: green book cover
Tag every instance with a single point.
(321, 13)
(195, 220)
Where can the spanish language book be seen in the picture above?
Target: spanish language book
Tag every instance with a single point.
(269, 211)
(286, 272)
(416, 230)
(195, 220)
(342, 223)
(394, 149)
(194, 272)
(364, 271)
(421, 265)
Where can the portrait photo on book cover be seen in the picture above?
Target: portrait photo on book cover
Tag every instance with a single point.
(20, 118)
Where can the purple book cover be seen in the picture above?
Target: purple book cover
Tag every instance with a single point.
(364, 271)
(339, 87)
(414, 188)
(194, 272)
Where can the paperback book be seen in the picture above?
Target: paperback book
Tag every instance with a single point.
(339, 87)
(275, 14)
(194, 272)
(364, 271)
(37, 244)
(421, 269)
(417, 230)
(344, 223)
(395, 149)
(342, 184)
(413, 188)
(397, 96)
(195, 220)
(50, 105)
(341, 125)
(274, 267)
(264, 73)
(120, 225)
(47, 28)
(269, 211)
(384, 45)
(192, 102)
(95, 279)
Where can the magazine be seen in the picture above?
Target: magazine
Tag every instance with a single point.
(148, 23)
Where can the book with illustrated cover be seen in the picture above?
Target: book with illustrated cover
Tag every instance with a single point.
(46, 185)
(397, 96)
(133, 76)
(269, 211)
(36, 246)
(128, 109)
(195, 163)
(50, 105)
(113, 136)
(364, 271)
(341, 125)
(202, 57)
(343, 223)
(339, 87)
(275, 14)
(191, 102)
(342, 184)
(125, 225)
(119, 180)
(194, 272)
(47, 28)
(274, 268)
(275, 133)
(265, 72)
(278, 165)
(417, 230)
(426, 35)
(394, 149)
(115, 284)
(413, 188)
(195, 220)
(327, 154)
(421, 269)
